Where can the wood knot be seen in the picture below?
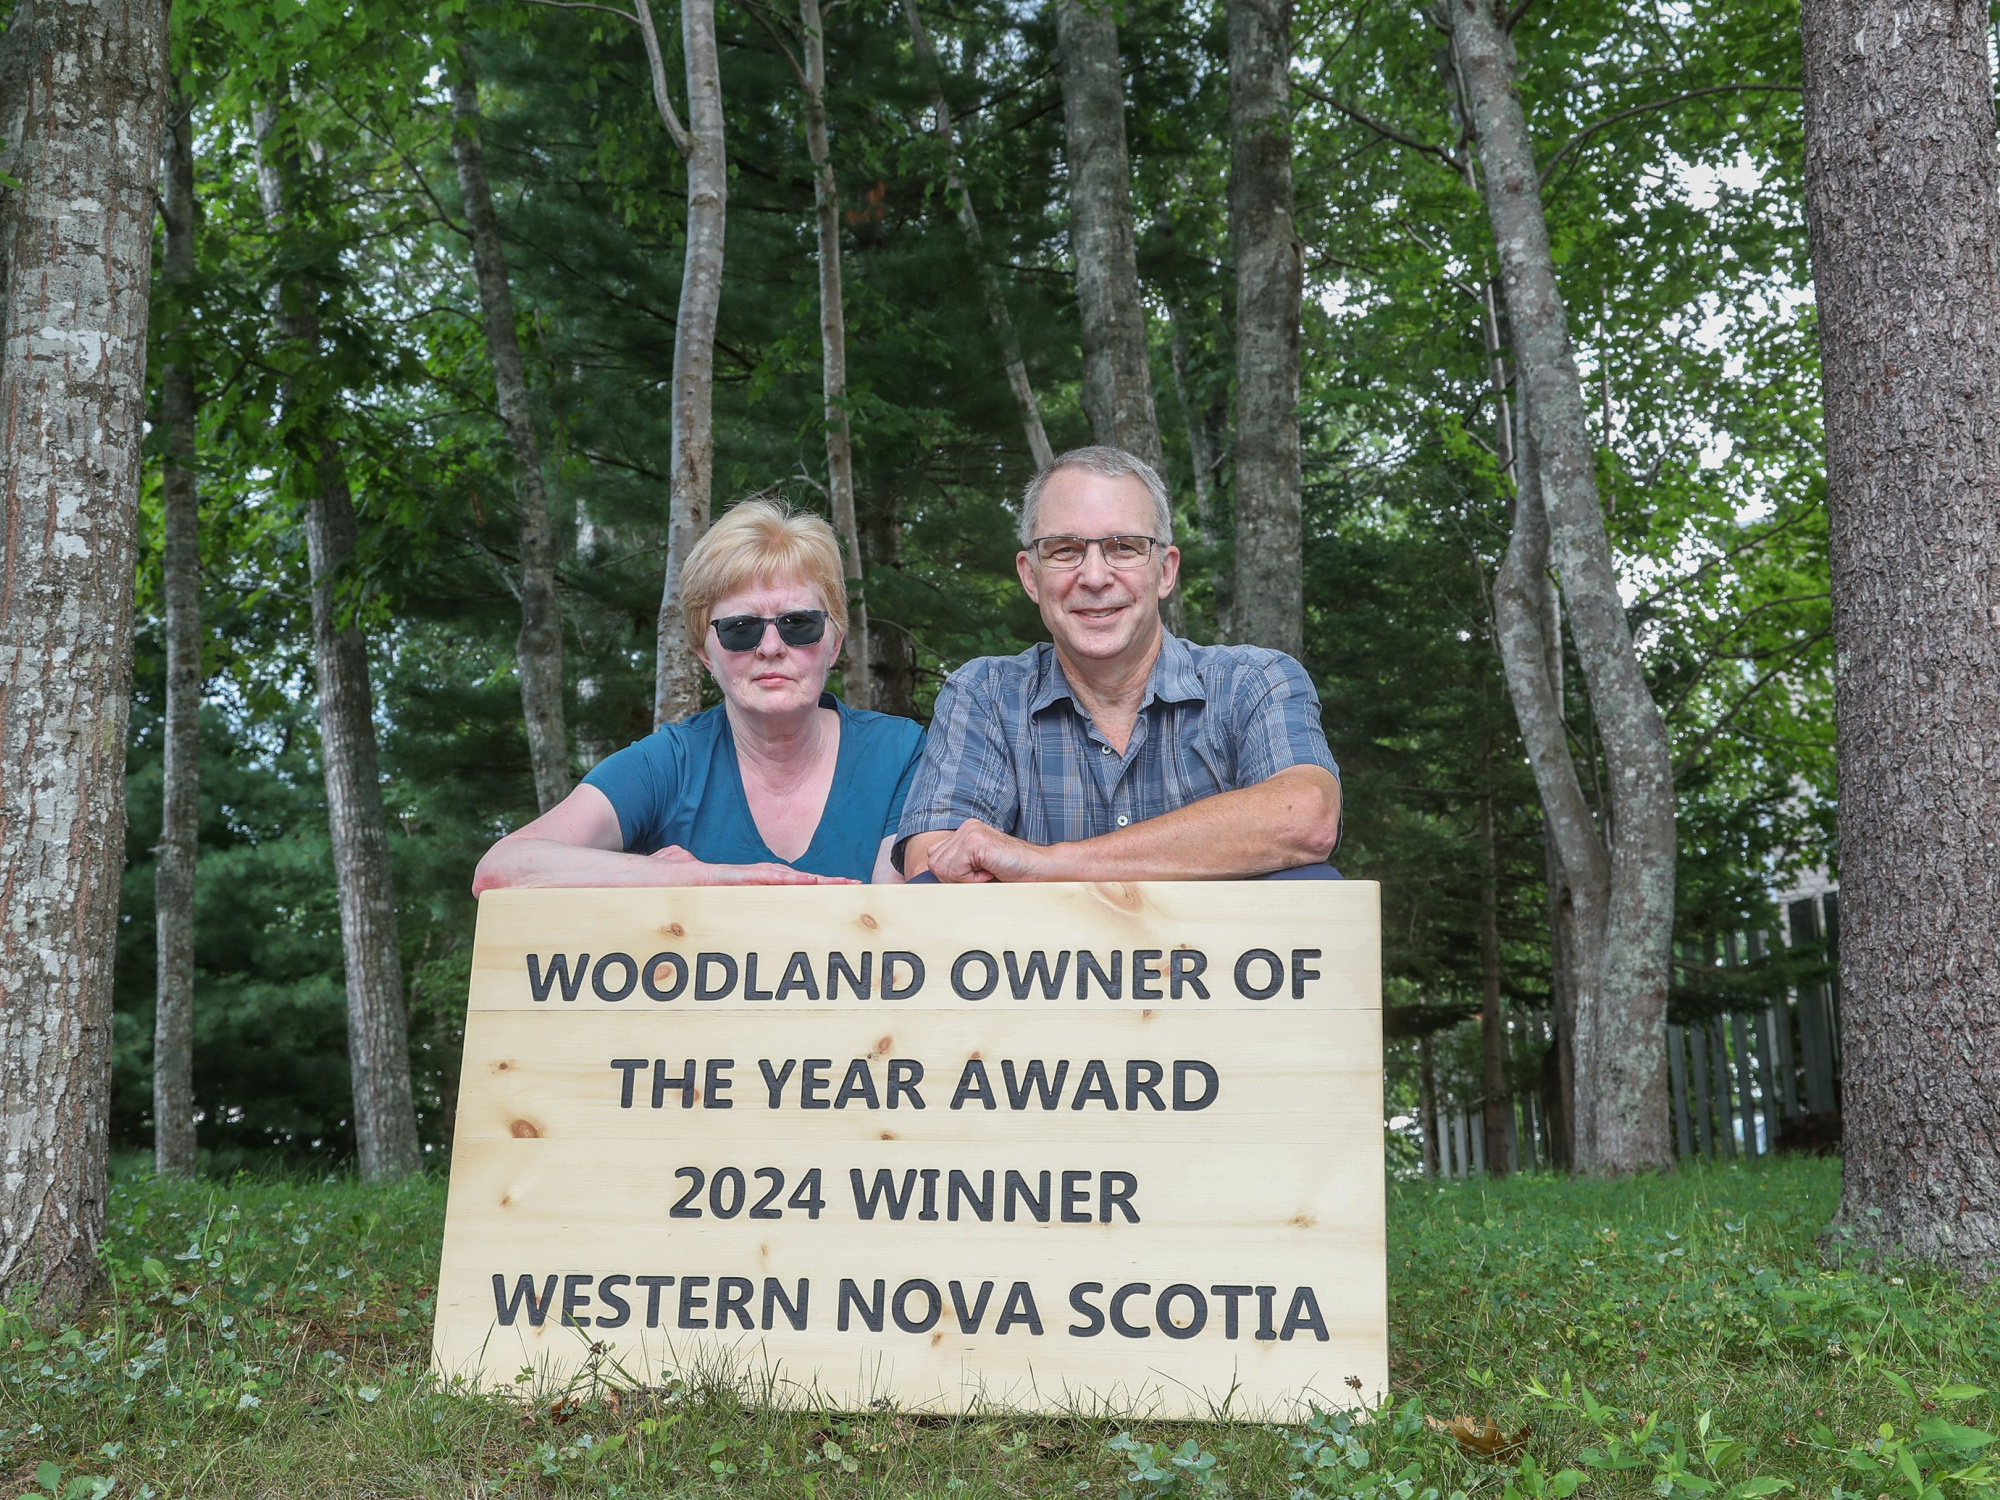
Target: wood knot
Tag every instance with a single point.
(526, 1130)
(869, 922)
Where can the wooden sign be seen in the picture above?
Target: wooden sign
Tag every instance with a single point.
(1056, 1147)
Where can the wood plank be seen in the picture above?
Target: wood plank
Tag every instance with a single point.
(1264, 1172)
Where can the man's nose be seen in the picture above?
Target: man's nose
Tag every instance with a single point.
(1095, 572)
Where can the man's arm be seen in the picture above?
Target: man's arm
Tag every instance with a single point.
(578, 843)
(1291, 819)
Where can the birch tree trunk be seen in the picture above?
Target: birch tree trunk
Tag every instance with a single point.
(538, 649)
(78, 245)
(1270, 278)
(378, 1046)
(1902, 181)
(1624, 939)
(677, 683)
(968, 218)
(858, 659)
(180, 802)
(1117, 375)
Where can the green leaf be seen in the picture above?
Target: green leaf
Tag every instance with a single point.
(1963, 1439)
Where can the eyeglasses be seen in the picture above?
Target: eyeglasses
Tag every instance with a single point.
(1066, 552)
(796, 627)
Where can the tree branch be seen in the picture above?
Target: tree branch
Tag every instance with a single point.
(1639, 109)
(683, 142)
(1388, 132)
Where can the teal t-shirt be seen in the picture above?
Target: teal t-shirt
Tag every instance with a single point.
(682, 785)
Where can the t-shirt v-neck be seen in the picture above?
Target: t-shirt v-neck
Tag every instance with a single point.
(682, 785)
(734, 777)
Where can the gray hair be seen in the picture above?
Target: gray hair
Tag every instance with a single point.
(1112, 463)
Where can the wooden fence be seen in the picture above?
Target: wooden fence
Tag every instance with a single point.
(1737, 1080)
(1742, 1083)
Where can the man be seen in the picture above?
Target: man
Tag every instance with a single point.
(1119, 752)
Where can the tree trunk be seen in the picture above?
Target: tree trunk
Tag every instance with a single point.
(385, 1121)
(857, 658)
(895, 665)
(180, 803)
(677, 683)
(1117, 374)
(538, 649)
(1492, 1027)
(1901, 187)
(1427, 1103)
(1624, 940)
(1558, 1066)
(1201, 423)
(78, 246)
(1270, 278)
(968, 218)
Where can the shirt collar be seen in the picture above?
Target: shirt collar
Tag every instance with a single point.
(1172, 680)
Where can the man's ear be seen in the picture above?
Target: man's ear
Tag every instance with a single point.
(1170, 570)
(1027, 571)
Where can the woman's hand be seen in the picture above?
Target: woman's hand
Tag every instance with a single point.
(690, 871)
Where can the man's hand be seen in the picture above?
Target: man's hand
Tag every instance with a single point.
(691, 871)
(976, 851)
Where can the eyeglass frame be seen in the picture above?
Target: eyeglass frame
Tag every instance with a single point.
(767, 622)
(1033, 549)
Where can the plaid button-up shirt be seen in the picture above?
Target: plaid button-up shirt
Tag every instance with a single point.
(1010, 745)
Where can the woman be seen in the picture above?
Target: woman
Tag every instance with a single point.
(783, 784)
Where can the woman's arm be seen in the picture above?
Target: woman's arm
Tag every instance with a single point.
(578, 843)
(886, 872)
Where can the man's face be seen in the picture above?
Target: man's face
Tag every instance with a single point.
(1098, 612)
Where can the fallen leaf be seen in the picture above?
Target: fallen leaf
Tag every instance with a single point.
(1481, 1437)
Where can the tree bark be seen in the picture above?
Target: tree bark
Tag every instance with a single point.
(378, 1046)
(1270, 279)
(895, 665)
(677, 682)
(1201, 423)
(78, 246)
(1623, 945)
(1497, 1101)
(858, 661)
(1427, 1103)
(1902, 182)
(180, 802)
(538, 649)
(1117, 373)
(968, 218)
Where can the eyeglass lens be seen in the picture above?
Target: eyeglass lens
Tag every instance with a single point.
(799, 627)
(1070, 551)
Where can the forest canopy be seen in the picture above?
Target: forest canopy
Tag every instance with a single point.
(1669, 147)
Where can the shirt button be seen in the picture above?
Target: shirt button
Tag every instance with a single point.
(1104, 749)
(1122, 821)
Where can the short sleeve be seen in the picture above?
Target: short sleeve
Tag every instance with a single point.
(912, 756)
(640, 782)
(966, 770)
(1279, 728)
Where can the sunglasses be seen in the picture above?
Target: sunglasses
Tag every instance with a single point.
(797, 627)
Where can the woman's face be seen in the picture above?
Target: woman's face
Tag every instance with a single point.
(774, 678)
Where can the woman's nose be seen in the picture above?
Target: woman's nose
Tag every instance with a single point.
(768, 644)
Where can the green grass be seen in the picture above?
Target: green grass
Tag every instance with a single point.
(1676, 1337)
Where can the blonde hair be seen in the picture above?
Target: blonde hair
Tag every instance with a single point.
(755, 541)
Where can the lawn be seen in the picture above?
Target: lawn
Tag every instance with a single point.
(1671, 1336)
